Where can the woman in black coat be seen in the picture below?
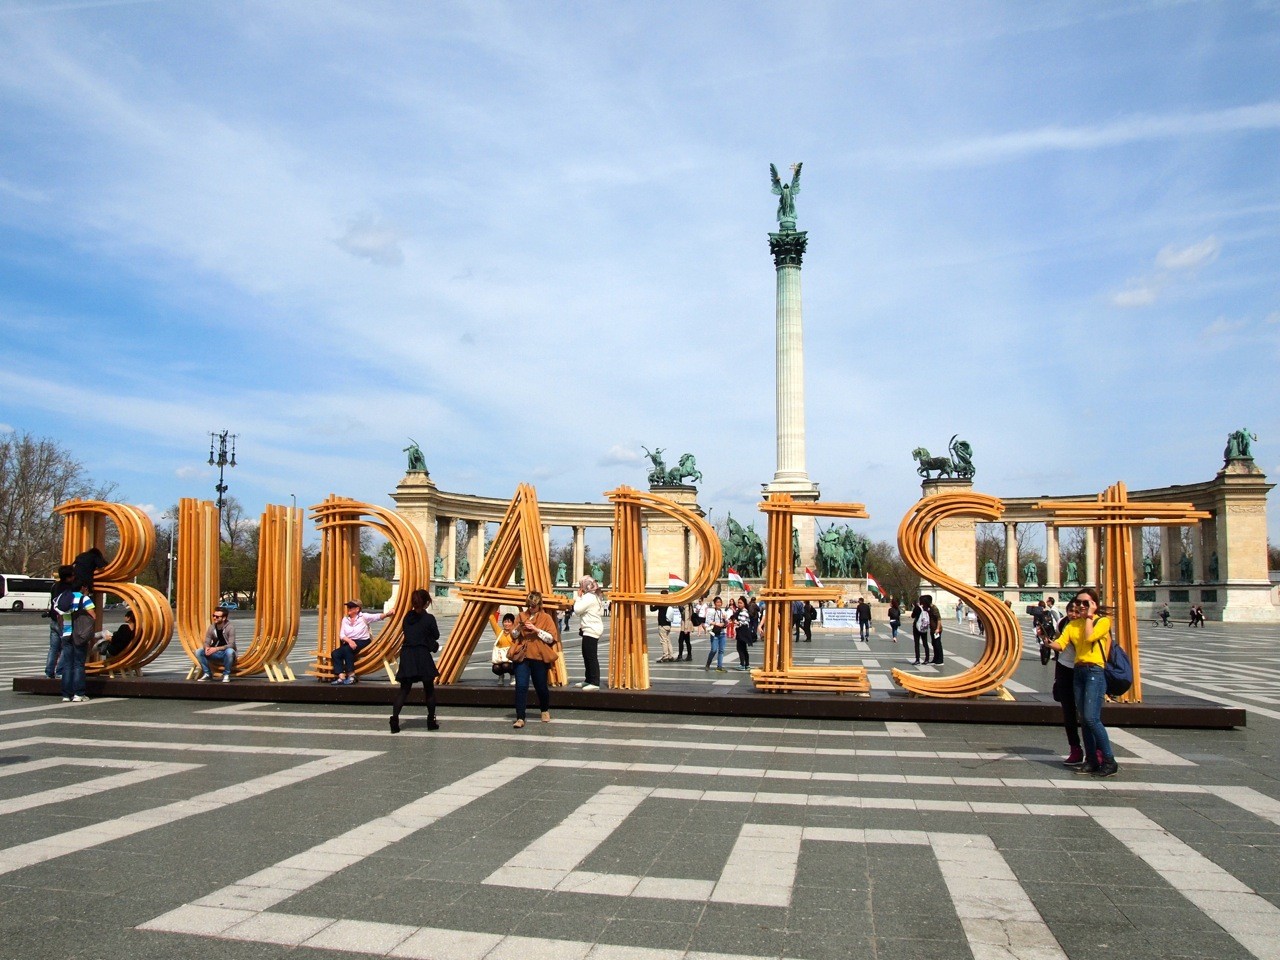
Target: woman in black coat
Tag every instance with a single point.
(421, 640)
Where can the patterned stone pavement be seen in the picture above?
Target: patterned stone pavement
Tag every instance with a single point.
(132, 828)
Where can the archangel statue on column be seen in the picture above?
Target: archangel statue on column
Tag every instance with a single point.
(786, 193)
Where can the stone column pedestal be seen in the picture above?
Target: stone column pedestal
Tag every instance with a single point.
(667, 549)
(955, 544)
(1239, 538)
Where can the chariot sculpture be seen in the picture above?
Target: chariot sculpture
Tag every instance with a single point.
(959, 464)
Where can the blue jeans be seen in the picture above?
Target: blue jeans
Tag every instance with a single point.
(717, 650)
(537, 670)
(864, 629)
(225, 656)
(344, 658)
(55, 649)
(72, 660)
(1091, 690)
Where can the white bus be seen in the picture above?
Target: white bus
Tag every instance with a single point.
(20, 592)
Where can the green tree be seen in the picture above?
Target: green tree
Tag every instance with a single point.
(374, 591)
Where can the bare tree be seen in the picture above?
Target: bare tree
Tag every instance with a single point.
(989, 540)
(1071, 549)
(1151, 550)
(156, 573)
(234, 523)
(37, 474)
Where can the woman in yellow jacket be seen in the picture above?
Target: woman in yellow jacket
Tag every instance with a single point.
(1089, 635)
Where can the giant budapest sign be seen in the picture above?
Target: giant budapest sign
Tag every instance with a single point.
(519, 538)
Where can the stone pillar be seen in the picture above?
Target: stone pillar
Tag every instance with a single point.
(1206, 534)
(1089, 576)
(449, 531)
(788, 248)
(1010, 555)
(579, 554)
(546, 542)
(1138, 551)
(1170, 555)
(1052, 557)
(475, 547)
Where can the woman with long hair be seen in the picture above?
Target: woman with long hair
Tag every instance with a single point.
(590, 610)
(1064, 691)
(1089, 636)
(536, 646)
(742, 633)
(421, 640)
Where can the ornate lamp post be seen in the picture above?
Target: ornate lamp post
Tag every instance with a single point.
(218, 443)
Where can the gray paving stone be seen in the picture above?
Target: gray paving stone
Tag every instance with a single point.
(850, 899)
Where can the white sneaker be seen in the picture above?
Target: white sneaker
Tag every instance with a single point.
(581, 683)
(79, 698)
(226, 678)
(66, 699)
(202, 679)
(589, 686)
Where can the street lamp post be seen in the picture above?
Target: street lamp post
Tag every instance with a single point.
(218, 445)
(168, 593)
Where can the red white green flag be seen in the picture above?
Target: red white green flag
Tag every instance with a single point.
(874, 586)
(675, 583)
(811, 578)
(735, 580)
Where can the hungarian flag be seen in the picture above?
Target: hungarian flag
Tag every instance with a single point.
(735, 579)
(811, 578)
(874, 586)
(675, 583)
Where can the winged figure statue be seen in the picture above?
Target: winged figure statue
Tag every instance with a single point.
(786, 192)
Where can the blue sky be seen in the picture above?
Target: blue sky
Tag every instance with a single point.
(533, 237)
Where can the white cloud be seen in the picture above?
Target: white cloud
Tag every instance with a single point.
(5, 428)
(374, 240)
(1222, 328)
(21, 192)
(1139, 294)
(186, 473)
(619, 455)
(1189, 258)
(1171, 263)
(151, 510)
(1006, 147)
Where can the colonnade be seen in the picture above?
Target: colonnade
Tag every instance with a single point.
(444, 544)
(1228, 572)
(436, 514)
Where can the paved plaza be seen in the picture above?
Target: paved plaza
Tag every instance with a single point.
(149, 828)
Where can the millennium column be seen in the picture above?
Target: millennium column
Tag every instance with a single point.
(788, 247)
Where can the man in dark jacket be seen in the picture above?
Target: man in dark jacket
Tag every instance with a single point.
(864, 619)
(935, 629)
